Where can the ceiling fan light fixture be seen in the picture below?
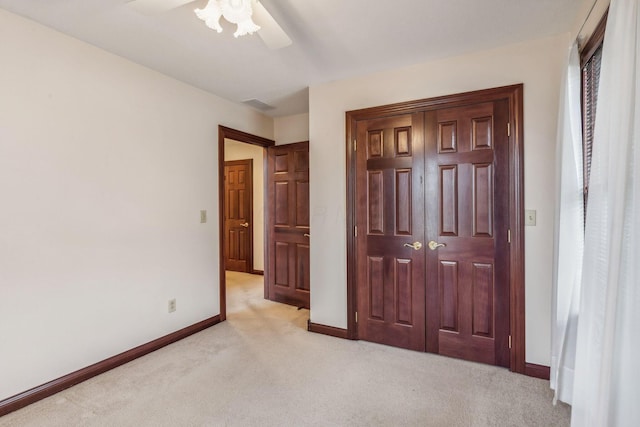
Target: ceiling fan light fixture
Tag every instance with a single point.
(235, 11)
(211, 15)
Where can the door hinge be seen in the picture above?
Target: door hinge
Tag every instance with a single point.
(356, 317)
(508, 129)
(509, 341)
(509, 236)
(355, 145)
(355, 231)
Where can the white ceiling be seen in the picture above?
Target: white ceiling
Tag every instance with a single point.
(332, 39)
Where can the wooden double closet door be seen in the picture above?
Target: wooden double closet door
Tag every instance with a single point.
(432, 230)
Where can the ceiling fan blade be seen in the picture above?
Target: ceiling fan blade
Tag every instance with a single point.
(270, 32)
(152, 7)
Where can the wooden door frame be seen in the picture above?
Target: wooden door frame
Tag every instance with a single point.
(514, 95)
(249, 164)
(237, 135)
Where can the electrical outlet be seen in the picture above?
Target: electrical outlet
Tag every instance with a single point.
(171, 307)
(203, 217)
(530, 217)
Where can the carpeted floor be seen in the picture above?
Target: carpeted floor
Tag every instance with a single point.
(262, 368)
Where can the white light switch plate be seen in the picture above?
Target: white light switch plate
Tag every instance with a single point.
(530, 217)
(203, 216)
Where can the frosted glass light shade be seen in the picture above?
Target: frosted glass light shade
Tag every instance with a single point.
(235, 11)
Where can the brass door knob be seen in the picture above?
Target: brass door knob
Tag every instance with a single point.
(433, 245)
(416, 246)
(245, 225)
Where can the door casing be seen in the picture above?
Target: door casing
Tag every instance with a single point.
(514, 95)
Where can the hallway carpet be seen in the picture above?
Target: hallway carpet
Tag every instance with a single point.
(262, 368)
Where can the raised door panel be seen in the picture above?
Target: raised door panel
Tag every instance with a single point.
(448, 281)
(482, 282)
(301, 160)
(447, 137)
(232, 205)
(281, 162)
(404, 200)
(302, 209)
(403, 291)
(481, 133)
(448, 200)
(482, 200)
(402, 139)
(375, 206)
(281, 253)
(376, 287)
(375, 140)
(302, 267)
(281, 203)
(232, 244)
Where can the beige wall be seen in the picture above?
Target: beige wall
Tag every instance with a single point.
(290, 129)
(236, 150)
(104, 168)
(538, 64)
(589, 15)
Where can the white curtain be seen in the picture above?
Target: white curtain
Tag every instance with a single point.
(606, 388)
(569, 233)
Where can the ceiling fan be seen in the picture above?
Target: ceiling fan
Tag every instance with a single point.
(250, 15)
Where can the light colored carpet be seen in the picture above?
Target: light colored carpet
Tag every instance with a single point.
(262, 368)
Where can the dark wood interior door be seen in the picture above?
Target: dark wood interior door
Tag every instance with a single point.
(238, 215)
(467, 213)
(390, 230)
(451, 296)
(288, 274)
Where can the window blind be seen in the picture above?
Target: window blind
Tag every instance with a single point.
(590, 81)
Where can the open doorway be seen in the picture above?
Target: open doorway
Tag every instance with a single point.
(234, 145)
(264, 217)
